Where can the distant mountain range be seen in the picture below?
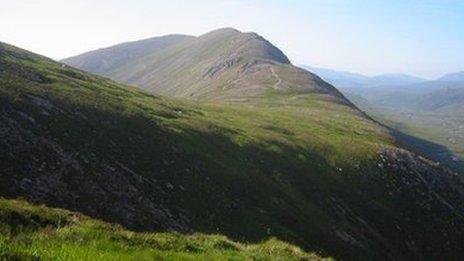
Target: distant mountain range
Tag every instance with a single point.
(349, 80)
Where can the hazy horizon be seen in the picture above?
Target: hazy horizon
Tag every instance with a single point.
(420, 38)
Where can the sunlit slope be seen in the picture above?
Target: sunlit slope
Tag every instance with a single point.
(303, 167)
(225, 64)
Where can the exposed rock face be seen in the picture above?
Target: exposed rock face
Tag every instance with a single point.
(37, 167)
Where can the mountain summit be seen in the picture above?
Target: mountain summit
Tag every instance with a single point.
(224, 64)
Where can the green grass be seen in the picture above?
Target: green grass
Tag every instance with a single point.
(53, 234)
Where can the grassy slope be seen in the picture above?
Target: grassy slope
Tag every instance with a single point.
(302, 167)
(29, 232)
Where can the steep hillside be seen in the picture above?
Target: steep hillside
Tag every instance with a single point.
(221, 65)
(303, 167)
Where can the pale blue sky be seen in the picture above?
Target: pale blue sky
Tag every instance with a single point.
(424, 38)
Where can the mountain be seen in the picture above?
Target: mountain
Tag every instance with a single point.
(295, 162)
(221, 65)
(453, 77)
(349, 80)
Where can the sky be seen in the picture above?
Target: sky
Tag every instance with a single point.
(419, 37)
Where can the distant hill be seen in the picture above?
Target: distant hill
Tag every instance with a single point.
(296, 163)
(453, 77)
(225, 64)
(348, 80)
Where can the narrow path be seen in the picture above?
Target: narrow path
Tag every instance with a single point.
(279, 81)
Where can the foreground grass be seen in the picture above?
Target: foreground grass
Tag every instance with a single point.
(29, 232)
